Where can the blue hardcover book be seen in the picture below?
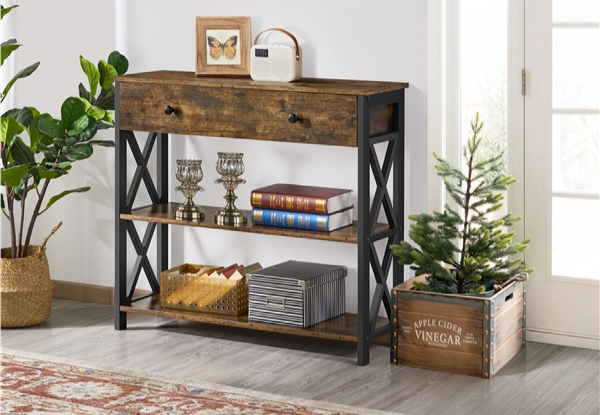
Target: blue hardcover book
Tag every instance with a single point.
(299, 220)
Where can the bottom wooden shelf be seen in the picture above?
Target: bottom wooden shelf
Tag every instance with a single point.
(344, 327)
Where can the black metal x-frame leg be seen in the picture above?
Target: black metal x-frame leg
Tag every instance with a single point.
(368, 214)
(124, 201)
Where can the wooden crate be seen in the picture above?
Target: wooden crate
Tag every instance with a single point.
(455, 333)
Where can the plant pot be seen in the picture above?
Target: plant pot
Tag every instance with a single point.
(462, 334)
(25, 287)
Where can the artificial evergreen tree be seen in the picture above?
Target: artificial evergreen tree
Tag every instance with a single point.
(465, 252)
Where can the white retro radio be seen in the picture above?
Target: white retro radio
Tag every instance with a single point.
(280, 63)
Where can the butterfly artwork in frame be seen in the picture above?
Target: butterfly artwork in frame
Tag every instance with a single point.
(223, 46)
(222, 50)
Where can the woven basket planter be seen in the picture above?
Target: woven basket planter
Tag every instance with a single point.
(26, 287)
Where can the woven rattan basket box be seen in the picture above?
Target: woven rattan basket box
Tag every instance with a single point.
(184, 288)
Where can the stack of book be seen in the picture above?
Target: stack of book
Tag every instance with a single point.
(302, 207)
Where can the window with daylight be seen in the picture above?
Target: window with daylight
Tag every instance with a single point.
(474, 78)
(575, 138)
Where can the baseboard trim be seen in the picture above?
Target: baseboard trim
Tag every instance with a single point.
(563, 339)
(87, 292)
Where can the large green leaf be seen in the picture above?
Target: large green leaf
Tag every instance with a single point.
(21, 153)
(109, 117)
(79, 152)
(34, 135)
(86, 103)
(25, 116)
(6, 10)
(36, 176)
(8, 47)
(49, 128)
(104, 125)
(84, 93)
(78, 126)
(102, 143)
(11, 113)
(107, 71)
(96, 113)
(65, 165)
(92, 74)
(71, 110)
(92, 110)
(50, 158)
(120, 62)
(62, 167)
(12, 176)
(108, 102)
(18, 191)
(45, 173)
(70, 141)
(59, 142)
(89, 132)
(21, 74)
(59, 196)
(10, 128)
(41, 146)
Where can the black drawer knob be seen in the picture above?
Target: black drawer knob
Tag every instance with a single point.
(169, 110)
(293, 118)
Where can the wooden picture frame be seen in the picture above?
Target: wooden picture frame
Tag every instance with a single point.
(223, 46)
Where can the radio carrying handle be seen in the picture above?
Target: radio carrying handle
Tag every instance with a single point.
(282, 31)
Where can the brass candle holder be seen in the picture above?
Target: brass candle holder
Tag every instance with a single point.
(189, 173)
(230, 166)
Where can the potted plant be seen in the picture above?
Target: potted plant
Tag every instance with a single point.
(464, 262)
(29, 166)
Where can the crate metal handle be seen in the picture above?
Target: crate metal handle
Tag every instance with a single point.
(275, 302)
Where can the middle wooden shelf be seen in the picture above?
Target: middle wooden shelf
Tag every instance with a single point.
(164, 213)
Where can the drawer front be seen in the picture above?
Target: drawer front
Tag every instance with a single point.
(240, 113)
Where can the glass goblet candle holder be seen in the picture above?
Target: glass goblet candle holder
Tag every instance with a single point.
(230, 166)
(189, 173)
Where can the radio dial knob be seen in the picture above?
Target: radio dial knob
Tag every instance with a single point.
(293, 118)
(169, 110)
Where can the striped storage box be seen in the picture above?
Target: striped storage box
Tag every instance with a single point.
(296, 293)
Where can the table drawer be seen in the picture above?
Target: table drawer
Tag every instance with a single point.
(242, 113)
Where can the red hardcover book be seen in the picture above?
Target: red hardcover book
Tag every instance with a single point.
(230, 272)
(299, 198)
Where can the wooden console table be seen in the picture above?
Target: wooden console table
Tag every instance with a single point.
(313, 111)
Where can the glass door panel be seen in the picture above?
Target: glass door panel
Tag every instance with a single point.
(483, 61)
(575, 139)
(475, 80)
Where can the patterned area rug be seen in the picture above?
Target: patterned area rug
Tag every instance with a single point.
(36, 383)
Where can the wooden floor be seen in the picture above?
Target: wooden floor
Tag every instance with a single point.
(542, 379)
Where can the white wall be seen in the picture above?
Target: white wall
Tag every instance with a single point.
(375, 40)
(56, 33)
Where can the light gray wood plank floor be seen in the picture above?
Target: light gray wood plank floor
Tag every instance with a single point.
(541, 379)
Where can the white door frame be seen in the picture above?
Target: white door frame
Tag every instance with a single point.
(559, 310)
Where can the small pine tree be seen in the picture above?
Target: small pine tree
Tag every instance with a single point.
(466, 252)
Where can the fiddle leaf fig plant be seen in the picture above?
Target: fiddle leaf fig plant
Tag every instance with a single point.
(37, 148)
